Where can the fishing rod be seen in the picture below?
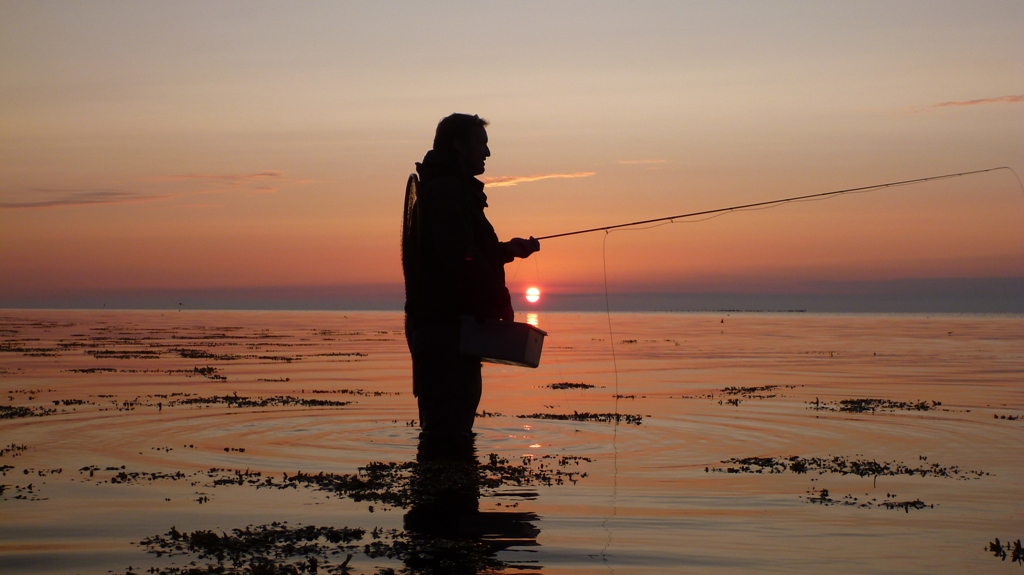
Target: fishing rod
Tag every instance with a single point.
(779, 201)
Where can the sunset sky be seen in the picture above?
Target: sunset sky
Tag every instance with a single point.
(255, 154)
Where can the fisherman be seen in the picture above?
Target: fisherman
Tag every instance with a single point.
(454, 267)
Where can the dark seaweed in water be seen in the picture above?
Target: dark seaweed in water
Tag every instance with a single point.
(570, 385)
(278, 548)
(1016, 551)
(123, 354)
(236, 400)
(872, 405)
(752, 392)
(431, 543)
(587, 416)
(841, 465)
(822, 497)
(201, 354)
(15, 449)
(273, 548)
(10, 412)
(391, 483)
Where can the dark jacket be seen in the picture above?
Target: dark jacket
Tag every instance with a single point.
(458, 262)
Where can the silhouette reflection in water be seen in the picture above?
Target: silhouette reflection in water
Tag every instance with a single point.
(444, 517)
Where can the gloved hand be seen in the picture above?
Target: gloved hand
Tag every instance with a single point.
(520, 248)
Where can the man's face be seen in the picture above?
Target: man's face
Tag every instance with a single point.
(473, 152)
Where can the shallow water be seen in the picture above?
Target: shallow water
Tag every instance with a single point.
(164, 396)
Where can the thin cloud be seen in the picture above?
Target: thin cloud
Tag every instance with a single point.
(266, 181)
(231, 178)
(1000, 100)
(502, 181)
(650, 161)
(81, 198)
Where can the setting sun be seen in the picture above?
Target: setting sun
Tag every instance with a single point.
(533, 295)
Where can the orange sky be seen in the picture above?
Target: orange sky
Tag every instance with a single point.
(228, 145)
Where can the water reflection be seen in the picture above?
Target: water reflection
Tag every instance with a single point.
(533, 319)
(444, 518)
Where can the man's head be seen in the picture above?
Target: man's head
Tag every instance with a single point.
(464, 137)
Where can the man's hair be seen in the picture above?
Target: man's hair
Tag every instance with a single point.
(456, 128)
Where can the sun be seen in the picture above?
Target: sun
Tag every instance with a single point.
(533, 295)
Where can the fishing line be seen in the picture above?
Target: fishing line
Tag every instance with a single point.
(711, 214)
(615, 420)
(608, 313)
(780, 201)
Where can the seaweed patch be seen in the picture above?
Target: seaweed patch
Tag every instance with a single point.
(843, 466)
(587, 416)
(823, 497)
(255, 550)
(1001, 551)
(570, 385)
(11, 412)
(871, 405)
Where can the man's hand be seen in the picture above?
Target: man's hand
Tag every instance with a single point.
(520, 248)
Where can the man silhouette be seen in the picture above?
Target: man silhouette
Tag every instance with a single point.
(454, 266)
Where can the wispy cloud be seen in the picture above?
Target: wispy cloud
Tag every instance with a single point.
(650, 161)
(501, 181)
(266, 181)
(1000, 100)
(263, 176)
(62, 198)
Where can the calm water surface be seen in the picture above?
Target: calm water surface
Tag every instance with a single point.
(754, 448)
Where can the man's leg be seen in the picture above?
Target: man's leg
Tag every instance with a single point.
(448, 384)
